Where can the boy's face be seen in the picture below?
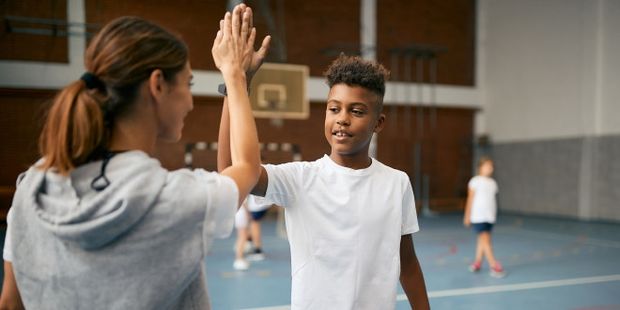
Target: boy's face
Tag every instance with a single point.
(350, 119)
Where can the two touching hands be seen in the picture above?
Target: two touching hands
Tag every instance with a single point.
(233, 47)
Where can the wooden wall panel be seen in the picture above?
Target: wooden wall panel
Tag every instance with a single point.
(21, 112)
(311, 28)
(308, 28)
(450, 24)
(196, 21)
(447, 151)
(17, 46)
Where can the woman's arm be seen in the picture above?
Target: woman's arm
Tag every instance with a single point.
(232, 52)
(226, 135)
(10, 298)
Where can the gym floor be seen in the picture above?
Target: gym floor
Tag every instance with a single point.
(551, 264)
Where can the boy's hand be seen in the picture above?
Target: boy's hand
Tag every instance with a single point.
(257, 58)
(233, 46)
(466, 222)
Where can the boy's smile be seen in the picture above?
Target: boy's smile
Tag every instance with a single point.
(351, 118)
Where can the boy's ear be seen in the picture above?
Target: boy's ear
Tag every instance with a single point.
(380, 123)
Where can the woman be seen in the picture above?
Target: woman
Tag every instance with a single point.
(97, 223)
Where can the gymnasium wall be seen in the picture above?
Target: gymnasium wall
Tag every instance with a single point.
(34, 67)
(447, 148)
(550, 103)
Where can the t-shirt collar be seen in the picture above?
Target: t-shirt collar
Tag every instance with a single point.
(331, 164)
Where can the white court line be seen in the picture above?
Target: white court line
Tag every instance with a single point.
(517, 287)
(495, 288)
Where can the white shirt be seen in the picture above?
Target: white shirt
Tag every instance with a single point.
(484, 206)
(344, 228)
(257, 203)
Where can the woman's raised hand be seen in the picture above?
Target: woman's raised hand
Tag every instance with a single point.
(233, 47)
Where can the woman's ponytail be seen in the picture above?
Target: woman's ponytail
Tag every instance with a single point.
(74, 129)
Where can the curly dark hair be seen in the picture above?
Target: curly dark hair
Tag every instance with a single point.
(356, 71)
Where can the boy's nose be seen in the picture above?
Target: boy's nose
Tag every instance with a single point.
(342, 122)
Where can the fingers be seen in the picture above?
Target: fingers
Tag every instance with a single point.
(227, 25)
(251, 39)
(251, 25)
(236, 22)
(247, 17)
(218, 36)
(262, 51)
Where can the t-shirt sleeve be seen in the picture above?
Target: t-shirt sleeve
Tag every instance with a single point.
(472, 183)
(284, 180)
(7, 254)
(222, 197)
(410, 217)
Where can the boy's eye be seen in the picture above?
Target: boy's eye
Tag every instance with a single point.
(358, 112)
(333, 109)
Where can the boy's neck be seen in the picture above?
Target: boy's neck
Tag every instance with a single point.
(358, 161)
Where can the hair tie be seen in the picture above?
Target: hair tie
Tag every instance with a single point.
(92, 81)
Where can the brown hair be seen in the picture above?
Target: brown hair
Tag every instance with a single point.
(120, 57)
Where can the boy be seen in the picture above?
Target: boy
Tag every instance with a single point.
(349, 218)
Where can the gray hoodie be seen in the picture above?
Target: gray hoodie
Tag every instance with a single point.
(140, 243)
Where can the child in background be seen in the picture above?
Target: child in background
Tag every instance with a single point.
(257, 208)
(480, 214)
(241, 224)
(247, 223)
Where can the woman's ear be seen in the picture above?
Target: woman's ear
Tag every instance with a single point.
(157, 85)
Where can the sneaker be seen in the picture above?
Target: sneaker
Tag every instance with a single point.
(241, 264)
(497, 271)
(256, 255)
(475, 267)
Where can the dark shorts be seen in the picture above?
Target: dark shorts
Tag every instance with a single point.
(258, 214)
(482, 227)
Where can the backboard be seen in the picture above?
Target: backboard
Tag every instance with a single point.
(279, 91)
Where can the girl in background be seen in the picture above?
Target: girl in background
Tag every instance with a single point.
(481, 213)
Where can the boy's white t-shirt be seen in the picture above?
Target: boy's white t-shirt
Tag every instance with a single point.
(484, 205)
(344, 227)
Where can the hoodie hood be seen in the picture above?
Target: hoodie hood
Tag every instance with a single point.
(68, 207)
